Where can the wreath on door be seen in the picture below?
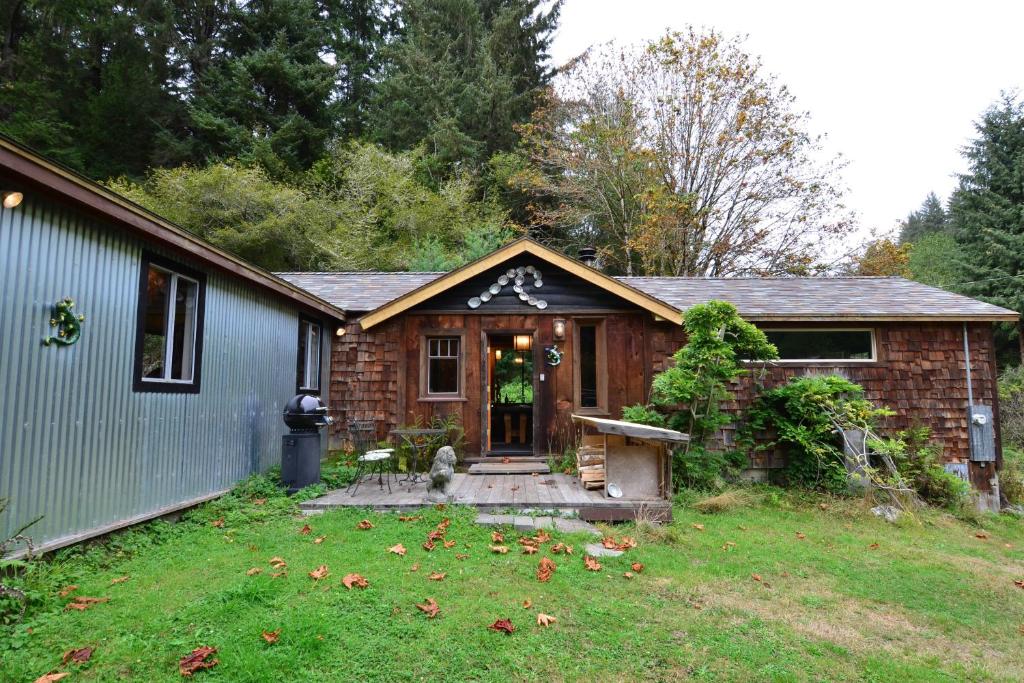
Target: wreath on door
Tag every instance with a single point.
(552, 356)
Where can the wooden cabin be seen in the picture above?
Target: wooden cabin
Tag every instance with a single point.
(517, 341)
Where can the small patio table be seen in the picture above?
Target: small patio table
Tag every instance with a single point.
(418, 441)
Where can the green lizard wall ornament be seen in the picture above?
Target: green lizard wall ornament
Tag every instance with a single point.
(69, 325)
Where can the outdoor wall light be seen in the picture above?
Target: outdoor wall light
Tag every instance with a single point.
(497, 354)
(522, 342)
(558, 328)
(12, 199)
(340, 332)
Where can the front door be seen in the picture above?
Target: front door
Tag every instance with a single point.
(510, 407)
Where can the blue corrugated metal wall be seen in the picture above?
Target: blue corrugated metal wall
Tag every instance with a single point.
(77, 445)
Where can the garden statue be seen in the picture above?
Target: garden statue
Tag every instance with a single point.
(441, 474)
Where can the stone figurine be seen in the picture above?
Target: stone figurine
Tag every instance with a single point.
(441, 474)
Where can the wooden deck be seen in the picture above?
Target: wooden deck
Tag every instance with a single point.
(500, 492)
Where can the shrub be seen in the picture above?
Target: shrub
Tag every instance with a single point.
(1011, 479)
(693, 390)
(1011, 407)
(804, 416)
(919, 462)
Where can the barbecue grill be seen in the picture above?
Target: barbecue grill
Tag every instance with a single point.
(305, 416)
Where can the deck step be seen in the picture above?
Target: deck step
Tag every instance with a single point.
(509, 468)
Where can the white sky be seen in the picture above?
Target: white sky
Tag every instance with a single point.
(895, 86)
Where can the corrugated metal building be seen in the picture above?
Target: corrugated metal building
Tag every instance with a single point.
(156, 406)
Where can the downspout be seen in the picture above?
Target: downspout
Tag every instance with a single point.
(967, 364)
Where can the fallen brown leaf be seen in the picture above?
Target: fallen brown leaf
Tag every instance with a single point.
(429, 545)
(755, 577)
(502, 625)
(254, 571)
(82, 603)
(120, 579)
(50, 678)
(429, 608)
(218, 523)
(497, 537)
(545, 619)
(354, 580)
(365, 524)
(873, 546)
(609, 542)
(435, 535)
(319, 573)
(500, 549)
(397, 549)
(278, 563)
(1019, 583)
(444, 524)
(591, 564)
(259, 501)
(437, 576)
(728, 545)
(409, 518)
(561, 548)
(440, 506)
(823, 506)
(415, 567)
(542, 536)
(449, 544)
(801, 536)
(981, 534)
(306, 530)
(277, 575)
(271, 636)
(699, 527)
(529, 549)
(79, 655)
(627, 575)
(319, 539)
(66, 590)
(197, 659)
(545, 569)
(527, 603)
(637, 567)
(461, 556)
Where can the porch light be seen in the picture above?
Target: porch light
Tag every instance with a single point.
(558, 330)
(497, 354)
(340, 332)
(12, 199)
(522, 342)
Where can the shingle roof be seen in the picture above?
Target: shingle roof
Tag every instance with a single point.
(858, 298)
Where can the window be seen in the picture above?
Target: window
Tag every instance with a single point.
(168, 346)
(443, 365)
(589, 369)
(309, 356)
(823, 345)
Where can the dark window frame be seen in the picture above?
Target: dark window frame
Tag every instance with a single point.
(139, 384)
(461, 359)
(300, 362)
(600, 363)
(873, 357)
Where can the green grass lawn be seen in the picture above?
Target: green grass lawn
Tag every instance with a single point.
(929, 602)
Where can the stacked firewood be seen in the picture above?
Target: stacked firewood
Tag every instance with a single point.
(590, 463)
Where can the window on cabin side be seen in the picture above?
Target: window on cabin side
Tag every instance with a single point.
(443, 365)
(169, 312)
(309, 356)
(823, 345)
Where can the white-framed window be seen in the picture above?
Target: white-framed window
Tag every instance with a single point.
(844, 345)
(310, 333)
(170, 321)
(444, 366)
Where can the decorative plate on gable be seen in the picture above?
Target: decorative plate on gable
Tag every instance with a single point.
(524, 280)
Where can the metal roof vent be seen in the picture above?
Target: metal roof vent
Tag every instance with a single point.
(588, 256)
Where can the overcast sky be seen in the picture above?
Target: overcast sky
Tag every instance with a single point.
(894, 85)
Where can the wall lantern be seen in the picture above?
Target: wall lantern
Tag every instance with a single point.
(497, 354)
(12, 199)
(340, 332)
(522, 342)
(558, 326)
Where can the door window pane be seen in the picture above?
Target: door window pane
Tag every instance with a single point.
(154, 323)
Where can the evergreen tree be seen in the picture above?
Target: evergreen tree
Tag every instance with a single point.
(266, 96)
(462, 75)
(987, 208)
(930, 219)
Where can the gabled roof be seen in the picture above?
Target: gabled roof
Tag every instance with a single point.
(54, 179)
(521, 246)
(758, 299)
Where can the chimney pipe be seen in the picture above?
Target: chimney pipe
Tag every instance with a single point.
(588, 256)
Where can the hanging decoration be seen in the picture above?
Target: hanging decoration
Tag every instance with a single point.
(517, 277)
(552, 356)
(69, 325)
